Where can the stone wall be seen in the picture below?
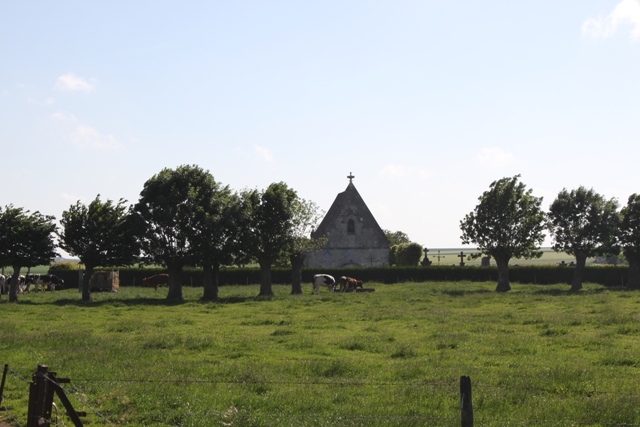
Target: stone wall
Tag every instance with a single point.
(335, 258)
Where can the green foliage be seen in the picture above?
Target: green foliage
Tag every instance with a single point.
(583, 223)
(629, 234)
(392, 357)
(169, 207)
(64, 266)
(176, 208)
(508, 222)
(406, 254)
(100, 233)
(396, 237)
(306, 215)
(392, 254)
(268, 232)
(26, 239)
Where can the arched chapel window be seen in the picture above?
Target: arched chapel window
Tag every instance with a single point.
(351, 227)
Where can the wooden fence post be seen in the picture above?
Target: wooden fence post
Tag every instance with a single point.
(41, 390)
(466, 404)
(4, 377)
(37, 414)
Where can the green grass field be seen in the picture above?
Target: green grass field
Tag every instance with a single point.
(537, 356)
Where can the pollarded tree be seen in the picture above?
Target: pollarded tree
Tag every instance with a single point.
(306, 217)
(168, 210)
(630, 239)
(267, 232)
(215, 239)
(26, 240)
(583, 224)
(100, 234)
(507, 223)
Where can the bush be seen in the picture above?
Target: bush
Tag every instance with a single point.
(408, 254)
(64, 266)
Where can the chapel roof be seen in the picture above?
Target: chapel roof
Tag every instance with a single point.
(349, 200)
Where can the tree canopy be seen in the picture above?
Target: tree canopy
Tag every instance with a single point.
(171, 207)
(99, 234)
(26, 240)
(507, 222)
(583, 224)
(305, 219)
(268, 232)
(215, 238)
(396, 237)
(629, 236)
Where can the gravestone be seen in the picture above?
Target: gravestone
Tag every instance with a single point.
(425, 261)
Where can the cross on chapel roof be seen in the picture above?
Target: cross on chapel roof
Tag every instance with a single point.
(351, 176)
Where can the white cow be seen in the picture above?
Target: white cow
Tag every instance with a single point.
(323, 280)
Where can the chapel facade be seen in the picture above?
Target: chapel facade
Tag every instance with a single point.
(354, 238)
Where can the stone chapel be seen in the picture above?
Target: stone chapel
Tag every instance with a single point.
(354, 238)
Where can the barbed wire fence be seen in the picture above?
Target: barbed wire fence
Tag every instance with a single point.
(232, 416)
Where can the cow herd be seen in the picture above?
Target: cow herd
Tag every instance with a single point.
(39, 281)
(344, 284)
(50, 281)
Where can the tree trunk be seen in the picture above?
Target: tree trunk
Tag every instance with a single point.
(13, 289)
(503, 274)
(633, 282)
(578, 273)
(86, 280)
(297, 260)
(265, 278)
(175, 282)
(210, 279)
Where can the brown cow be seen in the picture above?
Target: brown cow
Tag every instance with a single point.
(349, 284)
(155, 281)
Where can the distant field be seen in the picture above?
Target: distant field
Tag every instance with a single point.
(537, 356)
(451, 256)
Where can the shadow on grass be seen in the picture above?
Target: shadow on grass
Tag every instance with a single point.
(569, 292)
(141, 301)
(461, 292)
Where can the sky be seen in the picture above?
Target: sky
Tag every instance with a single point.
(425, 102)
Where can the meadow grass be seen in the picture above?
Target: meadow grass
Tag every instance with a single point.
(536, 356)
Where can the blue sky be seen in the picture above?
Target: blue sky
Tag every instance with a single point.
(425, 102)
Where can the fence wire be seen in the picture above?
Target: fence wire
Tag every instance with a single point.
(318, 419)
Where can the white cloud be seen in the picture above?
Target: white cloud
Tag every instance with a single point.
(84, 136)
(495, 158)
(87, 137)
(62, 116)
(395, 171)
(72, 83)
(263, 153)
(625, 12)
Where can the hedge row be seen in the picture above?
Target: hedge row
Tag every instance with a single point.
(612, 276)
